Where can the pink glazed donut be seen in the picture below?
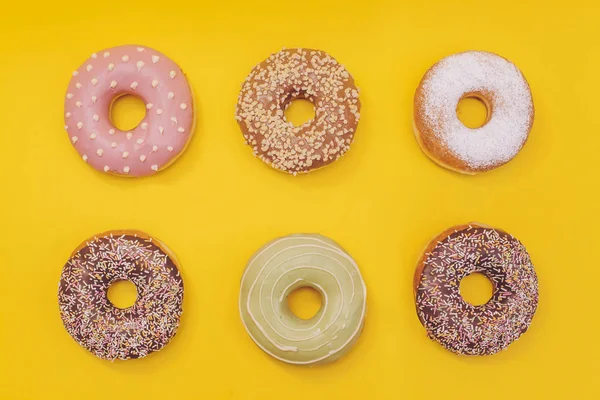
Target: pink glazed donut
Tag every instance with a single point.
(166, 128)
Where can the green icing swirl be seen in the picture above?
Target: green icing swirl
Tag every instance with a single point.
(286, 264)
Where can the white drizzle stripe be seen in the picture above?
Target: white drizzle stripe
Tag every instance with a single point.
(326, 258)
(286, 292)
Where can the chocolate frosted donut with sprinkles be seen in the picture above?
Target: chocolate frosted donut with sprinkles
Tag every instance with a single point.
(494, 80)
(298, 74)
(457, 325)
(94, 322)
(164, 132)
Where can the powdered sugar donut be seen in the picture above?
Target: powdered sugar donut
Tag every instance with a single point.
(485, 76)
(161, 136)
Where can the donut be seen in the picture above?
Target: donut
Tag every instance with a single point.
(500, 85)
(457, 325)
(162, 135)
(286, 264)
(94, 322)
(270, 88)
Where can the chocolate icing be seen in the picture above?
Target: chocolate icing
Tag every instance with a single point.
(105, 330)
(485, 329)
(298, 74)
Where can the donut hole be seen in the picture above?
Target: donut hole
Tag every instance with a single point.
(476, 289)
(299, 111)
(127, 111)
(122, 294)
(305, 302)
(473, 111)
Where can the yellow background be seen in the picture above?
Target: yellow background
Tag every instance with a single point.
(382, 202)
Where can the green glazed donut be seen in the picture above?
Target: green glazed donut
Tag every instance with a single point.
(286, 264)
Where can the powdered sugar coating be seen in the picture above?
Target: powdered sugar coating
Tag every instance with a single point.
(485, 329)
(129, 70)
(485, 75)
(288, 75)
(91, 319)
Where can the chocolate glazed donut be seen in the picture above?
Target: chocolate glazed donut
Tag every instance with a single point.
(457, 325)
(298, 74)
(94, 322)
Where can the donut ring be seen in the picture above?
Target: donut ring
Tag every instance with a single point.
(286, 264)
(457, 325)
(91, 319)
(298, 74)
(163, 134)
(500, 85)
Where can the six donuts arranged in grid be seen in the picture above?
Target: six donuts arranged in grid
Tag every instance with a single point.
(297, 260)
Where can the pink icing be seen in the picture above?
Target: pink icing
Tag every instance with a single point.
(159, 138)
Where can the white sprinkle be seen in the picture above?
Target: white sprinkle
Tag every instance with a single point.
(142, 158)
(66, 127)
(141, 49)
(75, 73)
(99, 152)
(79, 125)
(183, 106)
(125, 58)
(133, 85)
(111, 66)
(94, 81)
(96, 117)
(140, 141)
(74, 139)
(172, 74)
(89, 67)
(94, 98)
(84, 158)
(154, 83)
(149, 106)
(155, 59)
(68, 114)
(106, 168)
(93, 136)
(154, 167)
(78, 104)
(69, 96)
(161, 130)
(159, 111)
(144, 125)
(171, 95)
(106, 54)
(126, 169)
(78, 85)
(111, 131)
(170, 148)
(113, 145)
(129, 135)
(174, 119)
(113, 84)
(94, 55)
(125, 154)
(140, 65)
(155, 148)
(180, 129)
